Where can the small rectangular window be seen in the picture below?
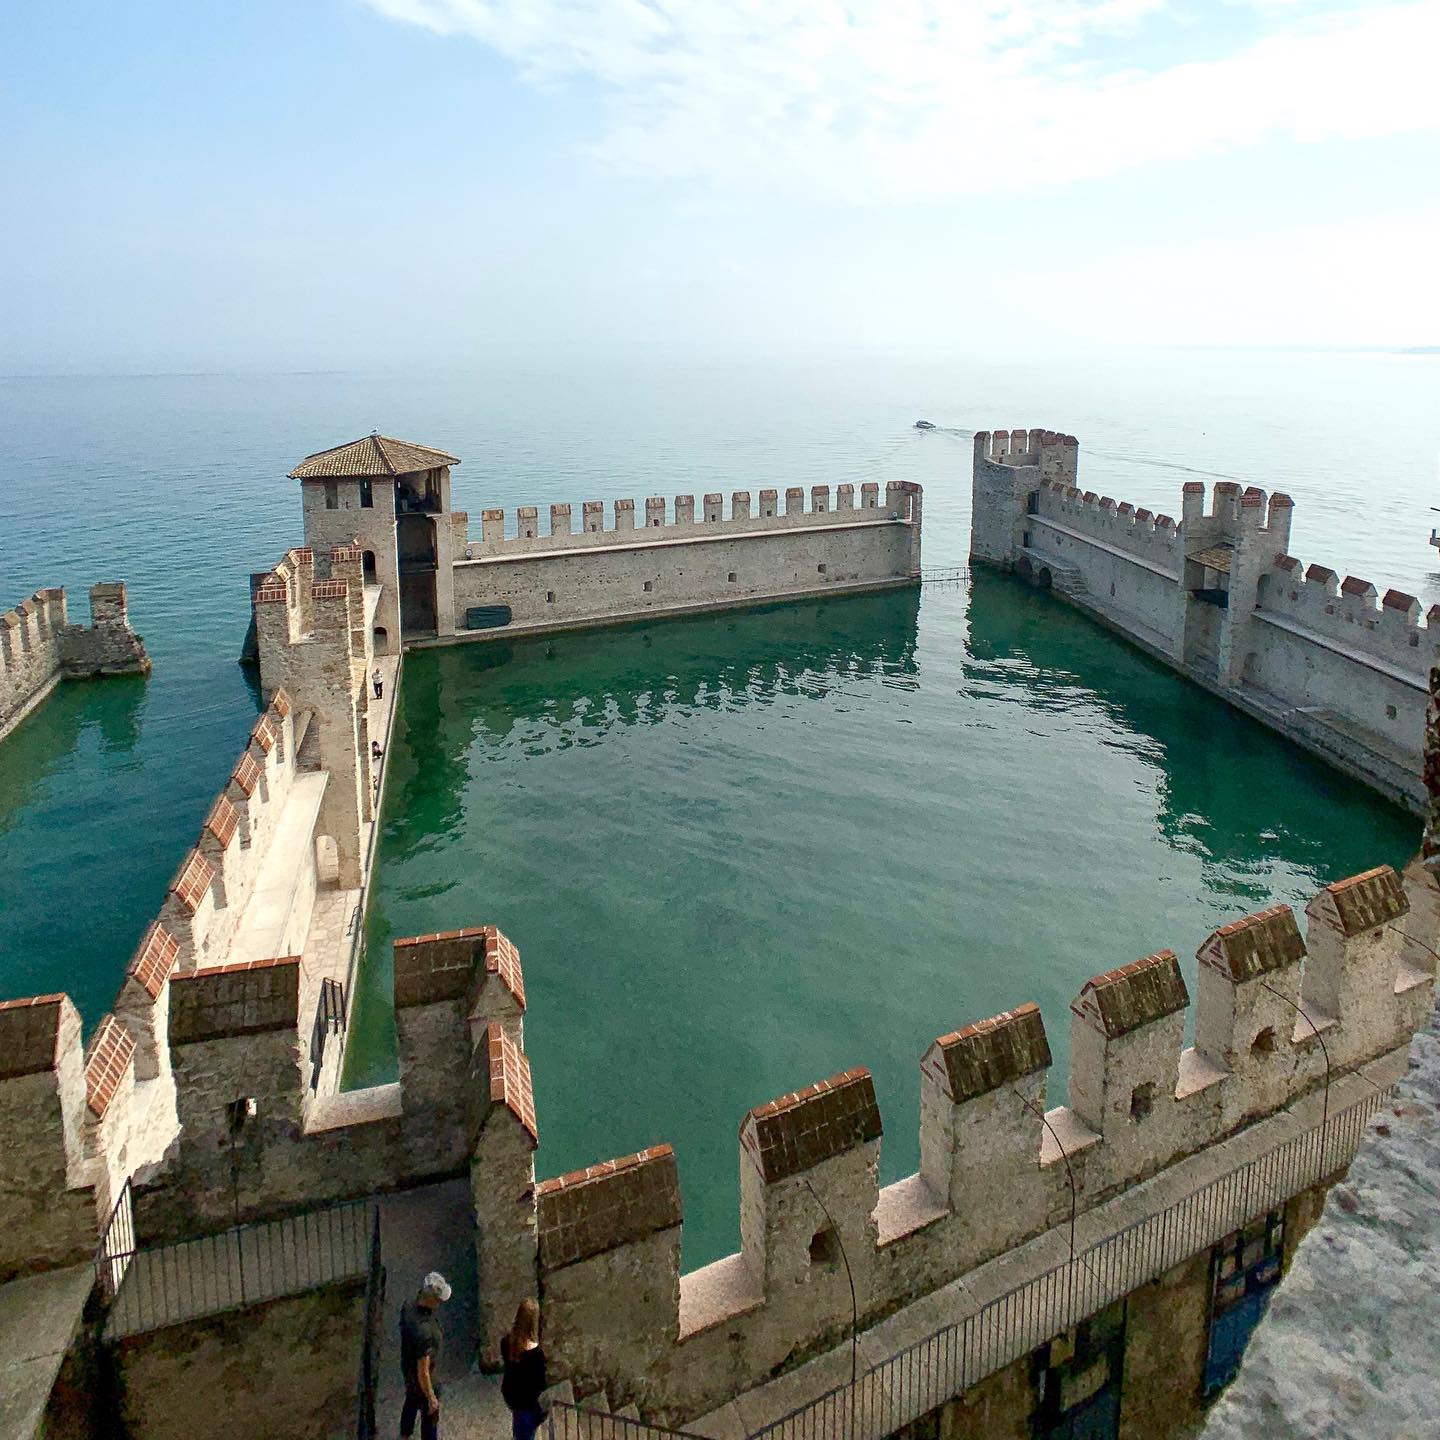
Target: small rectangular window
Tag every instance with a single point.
(549, 597)
(367, 495)
(820, 570)
(732, 577)
(332, 495)
(649, 585)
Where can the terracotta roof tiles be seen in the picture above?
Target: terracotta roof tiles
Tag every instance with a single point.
(602, 1207)
(1255, 945)
(510, 1078)
(372, 455)
(991, 1053)
(109, 1055)
(1123, 1000)
(155, 959)
(800, 1130)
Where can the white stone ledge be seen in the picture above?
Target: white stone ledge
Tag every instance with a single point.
(1348, 652)
(266, 916)
(1109, 549)
(663, 541)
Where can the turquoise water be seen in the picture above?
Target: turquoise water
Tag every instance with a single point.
(745, 852)
(816, 839)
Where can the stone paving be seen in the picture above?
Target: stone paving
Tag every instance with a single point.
(39, 1316)
(1347, 1348)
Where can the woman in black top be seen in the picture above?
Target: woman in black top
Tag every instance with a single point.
(524, 1376)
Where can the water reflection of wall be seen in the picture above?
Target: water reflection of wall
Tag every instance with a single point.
(463, 703)
(1229, 790)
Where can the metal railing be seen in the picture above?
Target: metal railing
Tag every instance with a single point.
(925, 1375)
(944, 575)
(117, 1244)
(234, 1268)
(368, 1379)
(564, 1421)
(330, 1019)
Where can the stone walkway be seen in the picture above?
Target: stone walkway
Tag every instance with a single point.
(39, 1315)
(1347, 1348)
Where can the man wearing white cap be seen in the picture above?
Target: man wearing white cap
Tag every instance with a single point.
(420, 1341)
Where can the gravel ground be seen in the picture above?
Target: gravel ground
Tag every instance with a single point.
(1348, 1348)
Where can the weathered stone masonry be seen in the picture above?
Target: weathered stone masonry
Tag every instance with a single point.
(39, 647)
(993, 1174)
(207, 1090)
(1326, 661)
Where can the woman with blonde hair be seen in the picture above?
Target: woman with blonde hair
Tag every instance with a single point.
(524, 1377)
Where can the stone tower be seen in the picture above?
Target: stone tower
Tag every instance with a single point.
(392, 499)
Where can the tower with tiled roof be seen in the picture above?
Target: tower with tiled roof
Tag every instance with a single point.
(392, 498)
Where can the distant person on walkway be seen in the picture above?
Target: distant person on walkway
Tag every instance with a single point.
(420, 1341)
(376, 751)
(378, 681)
(524, 1376)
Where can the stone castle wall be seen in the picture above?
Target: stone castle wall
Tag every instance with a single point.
(39, 647)
(1326, 661)
(659, 564)
(996, 1167)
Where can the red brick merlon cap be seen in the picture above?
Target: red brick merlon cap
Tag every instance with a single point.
(1322, 573)
(226, 1001)
(265, 733)
(1286, 562)
(110, 1053)
(605, 1206)
(1257, 945)
(155, 959)
(1361, 903)
(281, 703)
(222, 821)
(1354, 585)
(434, 968)
(1123, 1000)
(990, 1054)
(373, 455)
(1399, 600)
(1253, 496)
(246, 773)
(510, 1078)
(30, 1034)
(800, 1130)
(192, 880)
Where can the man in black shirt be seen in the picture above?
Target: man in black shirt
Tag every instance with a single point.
(421, 1339)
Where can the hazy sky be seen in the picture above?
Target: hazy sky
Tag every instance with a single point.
(301, 183)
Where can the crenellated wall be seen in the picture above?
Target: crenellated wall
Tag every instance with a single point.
(1220, 597)
(996, 1167)
(39, 647)
(770, 548)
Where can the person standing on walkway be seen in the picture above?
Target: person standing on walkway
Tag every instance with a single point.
(524, 1377)
(421, 1339)
(378, 681)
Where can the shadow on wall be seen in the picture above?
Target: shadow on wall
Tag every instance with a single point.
(1208, 808)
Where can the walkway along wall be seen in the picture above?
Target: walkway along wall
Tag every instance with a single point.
(1325, 661)
(39, 647)
(996, 1167)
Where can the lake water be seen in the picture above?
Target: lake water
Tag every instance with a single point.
(742, 852)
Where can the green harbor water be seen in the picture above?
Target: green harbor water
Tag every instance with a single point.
(744, 852)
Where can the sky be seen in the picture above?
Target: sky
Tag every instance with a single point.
(336, 183)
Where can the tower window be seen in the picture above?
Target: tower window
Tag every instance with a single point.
(332, 495)
(367, 495)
